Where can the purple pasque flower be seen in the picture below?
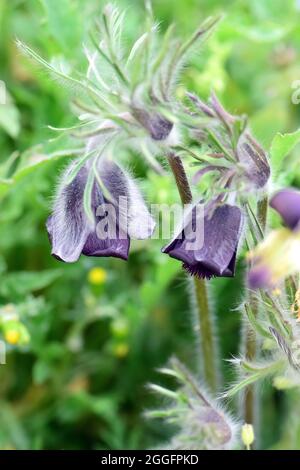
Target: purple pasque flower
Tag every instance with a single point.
(278, 255)
(214, 253)
(118, 214)
(287, 203)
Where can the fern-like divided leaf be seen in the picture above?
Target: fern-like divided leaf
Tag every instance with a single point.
(200, 421)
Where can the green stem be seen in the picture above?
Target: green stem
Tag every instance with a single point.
(204, 316)
(262, 212)
(250, 339)
(250, 352)
(207, 341)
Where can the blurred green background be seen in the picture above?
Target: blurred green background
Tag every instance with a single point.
(84, 340)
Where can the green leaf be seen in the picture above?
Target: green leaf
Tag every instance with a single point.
(265, 32)
(262, 372)
(255, 323)
(13, 427)
(38, 160)
(10, 119)
(33, 163)
(64, 22)
(41, 372)
(282, 145)
(22, 283)
(4, 186)
(152, 290)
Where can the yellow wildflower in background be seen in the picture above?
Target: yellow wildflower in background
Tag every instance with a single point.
(12, 336)
(121, 350)
(97, 276)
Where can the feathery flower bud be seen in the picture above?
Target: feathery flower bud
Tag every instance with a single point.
(202, 423)
(253, 158)
(232, 142)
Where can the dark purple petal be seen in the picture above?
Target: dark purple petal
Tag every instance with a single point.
(68, 227)
(140, 225)
(115, 242)
(118, 248)
(287, 204)
(217, 255)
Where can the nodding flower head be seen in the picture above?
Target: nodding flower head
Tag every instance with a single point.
(278, 255)
(117, 213)
(208, 243)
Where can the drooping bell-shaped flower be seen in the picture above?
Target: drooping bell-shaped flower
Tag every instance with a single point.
(208, 243)
(278, 255)
(118, 214)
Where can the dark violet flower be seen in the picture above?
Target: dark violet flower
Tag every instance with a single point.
(278, 255)
(215, 255)
(73, 233)
(287, 204)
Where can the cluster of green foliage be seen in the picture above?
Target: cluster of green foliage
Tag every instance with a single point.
(84, 340)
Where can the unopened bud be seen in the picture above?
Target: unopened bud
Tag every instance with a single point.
(248, 435)
(254, 159)
(158, 126)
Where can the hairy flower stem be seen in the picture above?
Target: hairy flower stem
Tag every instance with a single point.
(250, 402)
(262, 212)
(180, 178)
(204, 316)
(250, 353)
